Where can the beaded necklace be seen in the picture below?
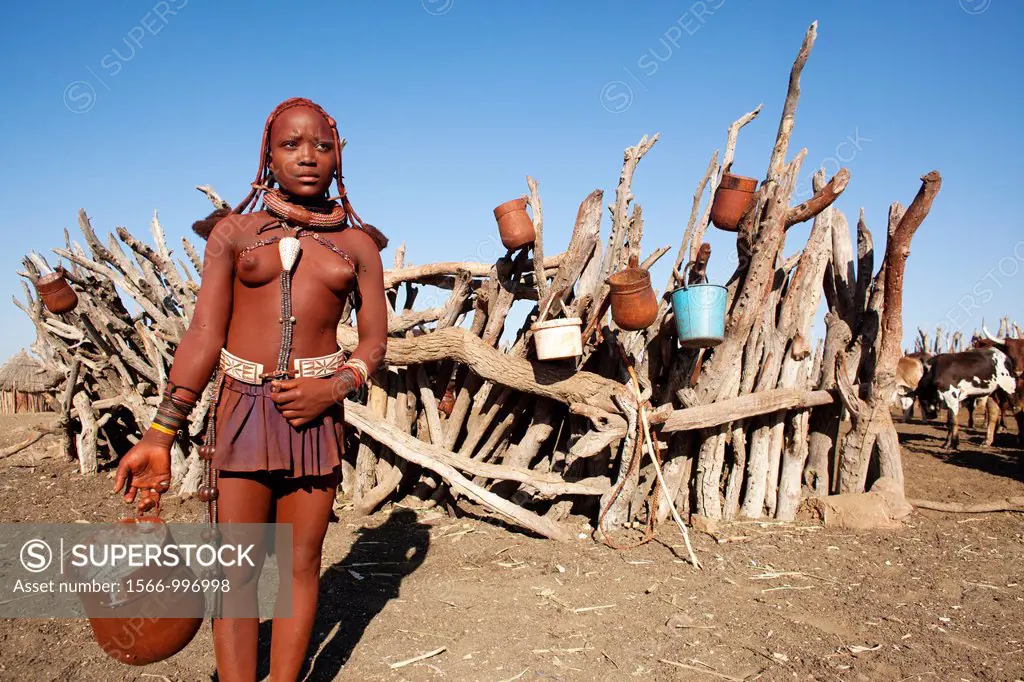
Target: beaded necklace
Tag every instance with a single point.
(297, 222)
(289, 248)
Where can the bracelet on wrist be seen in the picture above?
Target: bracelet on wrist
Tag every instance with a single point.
(173, 411)
(356, 377)
(360, 369)
(359, 380)
(162, 429)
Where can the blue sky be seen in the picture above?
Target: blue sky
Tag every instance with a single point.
(121, 108)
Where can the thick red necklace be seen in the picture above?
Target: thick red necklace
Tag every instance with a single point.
(280, 207)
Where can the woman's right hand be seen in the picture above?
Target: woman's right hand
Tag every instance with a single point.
(146, 471)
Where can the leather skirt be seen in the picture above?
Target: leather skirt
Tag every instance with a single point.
(253, 435)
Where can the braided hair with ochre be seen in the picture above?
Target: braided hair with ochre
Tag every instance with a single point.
(264, 177)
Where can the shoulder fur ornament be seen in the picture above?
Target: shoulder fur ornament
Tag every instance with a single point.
(204, 228)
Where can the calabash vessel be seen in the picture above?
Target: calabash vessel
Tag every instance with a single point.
(127, 622)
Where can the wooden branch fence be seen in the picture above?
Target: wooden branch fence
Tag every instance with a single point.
(744, 429)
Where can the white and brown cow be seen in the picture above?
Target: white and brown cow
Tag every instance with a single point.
(1014, 349)
(996, 405)
(950, 378)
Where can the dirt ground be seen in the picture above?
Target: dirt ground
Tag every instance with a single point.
(939, 599)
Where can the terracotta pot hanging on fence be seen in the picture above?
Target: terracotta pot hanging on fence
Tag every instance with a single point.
(515, 224)
(447, 402)
(634, 304)
(57, 294)
(733, 198)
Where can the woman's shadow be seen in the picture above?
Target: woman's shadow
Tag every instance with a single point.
(354, 590)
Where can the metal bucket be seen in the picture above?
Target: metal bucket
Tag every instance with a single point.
(699, 310)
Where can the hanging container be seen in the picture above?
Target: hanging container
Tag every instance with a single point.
(57, 294)
(699, 310)
(558, 339)
(447, 402)
(515, 224)
(126, 623)
(634, 304)
(733, 198)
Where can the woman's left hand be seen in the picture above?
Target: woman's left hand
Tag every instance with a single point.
(304, 399)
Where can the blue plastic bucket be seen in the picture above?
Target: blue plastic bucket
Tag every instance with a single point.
(699, 310)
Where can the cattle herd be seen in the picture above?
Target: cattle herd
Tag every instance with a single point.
(990, 370)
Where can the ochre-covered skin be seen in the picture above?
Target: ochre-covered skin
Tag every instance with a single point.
(239, 301)
(239, 308)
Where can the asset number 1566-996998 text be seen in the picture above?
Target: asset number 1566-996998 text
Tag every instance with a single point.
(179, 585)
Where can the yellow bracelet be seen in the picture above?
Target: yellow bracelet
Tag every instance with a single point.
(162, 429)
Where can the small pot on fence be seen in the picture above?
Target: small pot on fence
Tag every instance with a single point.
(699, 311)
(447, 402)
(126, 622)
(634, 304)
(733, 198)
(515, 224)
(57, 294)
(559, 339)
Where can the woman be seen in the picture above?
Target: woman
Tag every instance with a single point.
(268, 326)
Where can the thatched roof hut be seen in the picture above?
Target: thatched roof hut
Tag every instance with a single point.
(25, 383)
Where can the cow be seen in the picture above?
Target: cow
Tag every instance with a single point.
(999, 403)
(1017, 406)
(998, 407)
(1013, 348)
(1002, 408)
(909, 371)
(950, 378)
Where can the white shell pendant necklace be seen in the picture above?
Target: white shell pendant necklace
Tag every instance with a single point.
(288, 248)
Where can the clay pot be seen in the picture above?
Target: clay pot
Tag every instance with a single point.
(733, 198)
(515, 224)
(447, 403)
(634, 304)
(127, 624)
(57, 294)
